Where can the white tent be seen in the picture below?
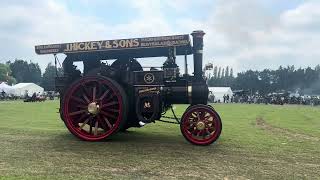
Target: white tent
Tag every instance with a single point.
(22, 88)
(219, 92)
(6, 88)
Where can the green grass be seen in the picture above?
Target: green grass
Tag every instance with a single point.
(257, 142)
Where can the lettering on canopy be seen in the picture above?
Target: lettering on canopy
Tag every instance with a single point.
(105, 45)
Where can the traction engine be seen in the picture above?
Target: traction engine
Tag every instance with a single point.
(106, 98)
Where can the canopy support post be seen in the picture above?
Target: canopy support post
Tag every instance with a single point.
(55, 64)
(185, 64)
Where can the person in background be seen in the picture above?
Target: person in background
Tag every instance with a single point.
(26, 94)
(34, 96)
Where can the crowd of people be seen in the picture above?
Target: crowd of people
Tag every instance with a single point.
(26, 98)
(6, 96)
(272, 98)
(277, 99)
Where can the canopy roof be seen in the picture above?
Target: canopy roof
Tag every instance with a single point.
(226, 90)
(135, 47)
(30, 88)
(6, 88)
(219, 92)
(22, 85)
(4, 85)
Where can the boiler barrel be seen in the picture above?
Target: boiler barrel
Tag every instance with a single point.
(193, 93)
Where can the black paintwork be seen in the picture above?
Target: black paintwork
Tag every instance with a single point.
(161, 87)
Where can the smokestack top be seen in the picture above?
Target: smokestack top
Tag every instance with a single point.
(198, 33)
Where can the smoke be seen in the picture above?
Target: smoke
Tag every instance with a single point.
(314, 88)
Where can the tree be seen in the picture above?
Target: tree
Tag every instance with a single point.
(48, 79)
(5, 74)
(11, 80)
(34, 74)
(231, 72)
(215, 72)
(22, 71)
(267, 81)
(222, 75)
(248, 80)
(219, 73)
(227, 72)
(19, 70)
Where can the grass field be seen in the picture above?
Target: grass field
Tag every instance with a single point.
(257, 142)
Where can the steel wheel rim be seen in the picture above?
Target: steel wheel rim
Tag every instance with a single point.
(193, 122)
(85, 123)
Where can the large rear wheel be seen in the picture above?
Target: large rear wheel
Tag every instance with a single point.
(201, 125)
(94, 108)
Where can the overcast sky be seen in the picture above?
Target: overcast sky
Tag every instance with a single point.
(245, 34)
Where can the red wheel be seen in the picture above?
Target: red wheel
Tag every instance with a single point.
(94, 108)
(201, 125)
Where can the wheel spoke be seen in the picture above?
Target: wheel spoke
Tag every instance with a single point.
(112, 110)
(109, 104)
(82, 117)
(207, 117)
(85, 93)
(191, 125)
(96, 128)
(78, 99)
(99, 90)
(204, 134)
(86, 98)
(198, 133)
(110, 97)
(84, 123)
(202, 114)
(85, 90)
(108, 114)
(82, 106)
(108, 122)
(104, 94)
(207, 131)
(189, 132)
(212, 128)
(90, 129)
(198, 116)
(102, 123)
(77, 112)
(193, 115)
(94, 93)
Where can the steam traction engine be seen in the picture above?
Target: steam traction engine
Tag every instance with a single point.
(104, 99)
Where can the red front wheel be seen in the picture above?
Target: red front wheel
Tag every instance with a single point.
(201, 125)
(94, 108)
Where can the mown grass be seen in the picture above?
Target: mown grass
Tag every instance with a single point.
(257, 142)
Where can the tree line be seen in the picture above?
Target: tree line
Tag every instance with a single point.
(21, 71)
(303, 80)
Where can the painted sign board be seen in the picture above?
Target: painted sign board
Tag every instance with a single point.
(119, 44)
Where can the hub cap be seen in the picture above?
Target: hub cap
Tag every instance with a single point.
(201, 125)
(93, 108)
